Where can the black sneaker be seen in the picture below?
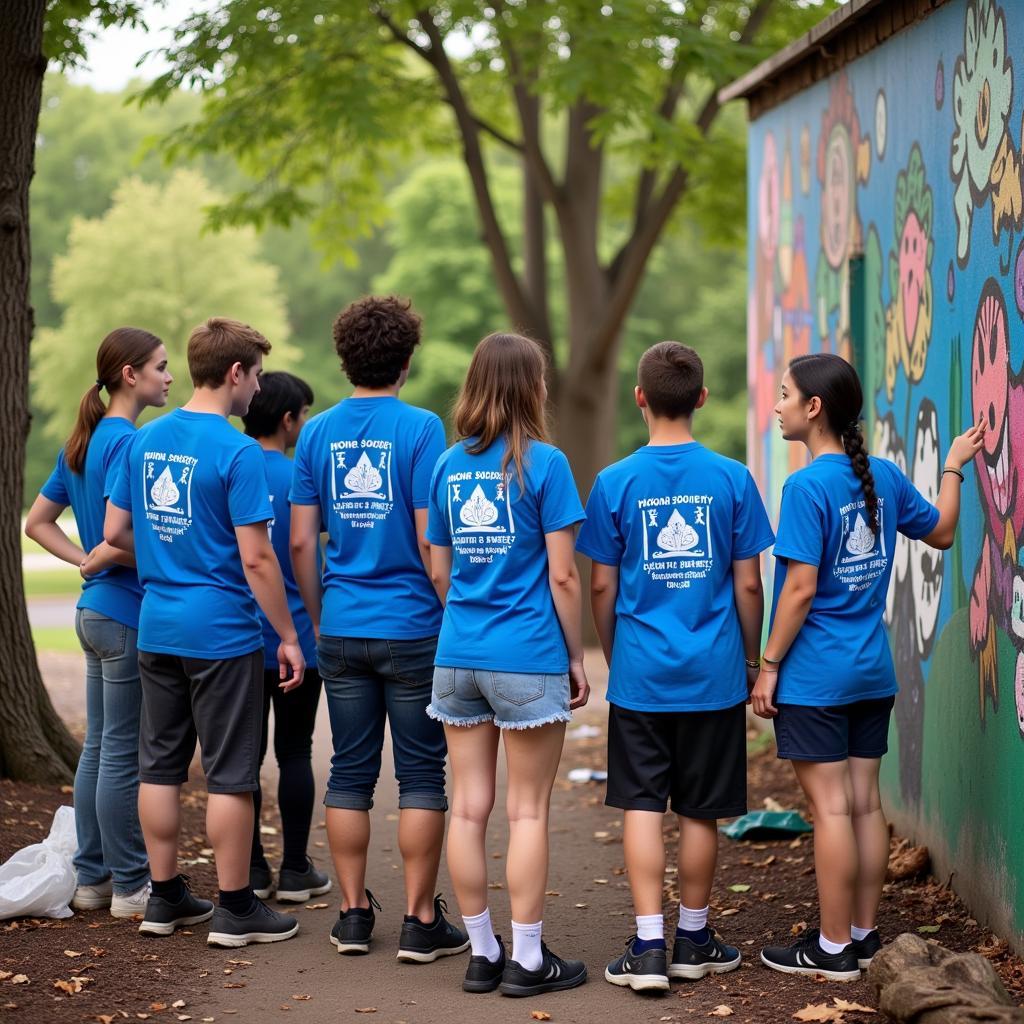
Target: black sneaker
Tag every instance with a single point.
(354, 928)
(553, 975)
(299, 886)
(163, 917)
(261, 924)
(642, 972)
(806, 956)
(865, 949)
(423, 943)
(691, 962)
(481, 974)
(261, 880)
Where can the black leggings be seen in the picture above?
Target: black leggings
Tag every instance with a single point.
(294, 718)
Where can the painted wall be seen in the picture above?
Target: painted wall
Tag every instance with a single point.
(911, 157)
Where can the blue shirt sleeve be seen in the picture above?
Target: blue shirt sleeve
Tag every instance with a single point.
(429, 448)
(600, 537)
(248, 490)
(303, 490)
(751, 529)
(916, 517)
(438, 528)
(55, 489)
(801, 535)
(559, 500)
(120, 487)
(113, 458)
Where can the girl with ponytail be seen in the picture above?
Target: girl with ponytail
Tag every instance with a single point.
(827, 676)
(113, 870)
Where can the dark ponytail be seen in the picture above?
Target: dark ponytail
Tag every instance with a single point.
(124, 346)
(836, 384)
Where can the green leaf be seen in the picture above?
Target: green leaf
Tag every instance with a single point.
(739, 888)
(928, 929)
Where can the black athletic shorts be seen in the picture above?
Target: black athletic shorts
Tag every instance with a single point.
(694, 761)
(220, 702)
(834, 733)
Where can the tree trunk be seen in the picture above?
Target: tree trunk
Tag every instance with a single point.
(34, 744)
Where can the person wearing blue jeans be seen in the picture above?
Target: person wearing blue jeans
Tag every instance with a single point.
(111, 861)
(362, 473)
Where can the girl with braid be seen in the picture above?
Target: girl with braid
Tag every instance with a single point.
(827, 676)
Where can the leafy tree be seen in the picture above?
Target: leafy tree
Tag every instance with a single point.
(34, 743)
(316, 99)
(148, 262)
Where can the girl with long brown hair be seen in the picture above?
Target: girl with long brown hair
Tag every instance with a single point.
(509, 664)
(113, 870)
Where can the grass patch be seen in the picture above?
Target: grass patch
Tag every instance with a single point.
(53, 582)
(764, 739)
(56, 638)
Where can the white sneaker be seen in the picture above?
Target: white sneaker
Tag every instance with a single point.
(92, 897)
(130, 904)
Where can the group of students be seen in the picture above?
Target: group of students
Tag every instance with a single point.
(447, 603)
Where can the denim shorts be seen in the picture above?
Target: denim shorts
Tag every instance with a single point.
(511, 700)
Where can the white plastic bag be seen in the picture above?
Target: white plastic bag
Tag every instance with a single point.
(39, 880)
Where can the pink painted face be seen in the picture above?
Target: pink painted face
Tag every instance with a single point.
(990, 366)
(913, 249)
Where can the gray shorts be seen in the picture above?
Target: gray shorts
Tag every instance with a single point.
(511, 700)
(220, 702)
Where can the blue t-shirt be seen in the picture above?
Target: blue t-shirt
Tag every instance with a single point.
(499, 614)
(115, 592)
(841, 653)
(189, 479)
(367, 463)
(674, 518)
(279, 479)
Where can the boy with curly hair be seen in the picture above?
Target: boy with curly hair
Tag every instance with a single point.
(362, 474)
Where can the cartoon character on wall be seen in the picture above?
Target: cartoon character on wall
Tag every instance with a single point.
(915, 591)
(844, 161)
(997, 595)
(908, 320)
(983, 160)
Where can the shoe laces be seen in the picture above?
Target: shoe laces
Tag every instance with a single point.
(440, 904)
(373, 901)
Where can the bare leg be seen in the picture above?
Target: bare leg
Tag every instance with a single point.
(472, 751)
(229, 820)
(829, 791)
(160, 817)
(644, 849)
(872, 834)
(532, 757)
(348, 833)
(698, 856)
(420, 837)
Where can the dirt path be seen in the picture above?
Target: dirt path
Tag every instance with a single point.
(588, 916)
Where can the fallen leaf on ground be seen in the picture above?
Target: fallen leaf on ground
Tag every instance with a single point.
(157, 1007)
(183, 1016)
(818, 1012)
(72, 953)
(234, 984)
(552, 892)
(20, 979)
(302, 999)
(601, 835)
(142, 1016)
(739, 888)
(600, 881)
(729, 912)
(366, 1009)
(581, 906)
(316, 906)
(842, 1004)
(178, 1004)
(800, 926)
(540, 1015)
(105, 1018)
(4, 975)
(929, 929)
(722, 1011)
(67, 789)
(241, 963)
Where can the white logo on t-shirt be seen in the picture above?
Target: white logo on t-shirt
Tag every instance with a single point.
(677, 538)
(361, 488)
(167, 492)
(861, 556)
(481, 522)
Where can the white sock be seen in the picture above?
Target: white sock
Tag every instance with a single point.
(481, 936)
(526, 945)
(829, 946)
(692, 920)
(650, 926)
(860, 933)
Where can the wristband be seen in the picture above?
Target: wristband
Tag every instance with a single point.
(949, 469)
(752, 663)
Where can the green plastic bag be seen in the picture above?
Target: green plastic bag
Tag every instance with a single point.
(767, 825)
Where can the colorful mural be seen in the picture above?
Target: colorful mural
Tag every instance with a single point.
(914, 231)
